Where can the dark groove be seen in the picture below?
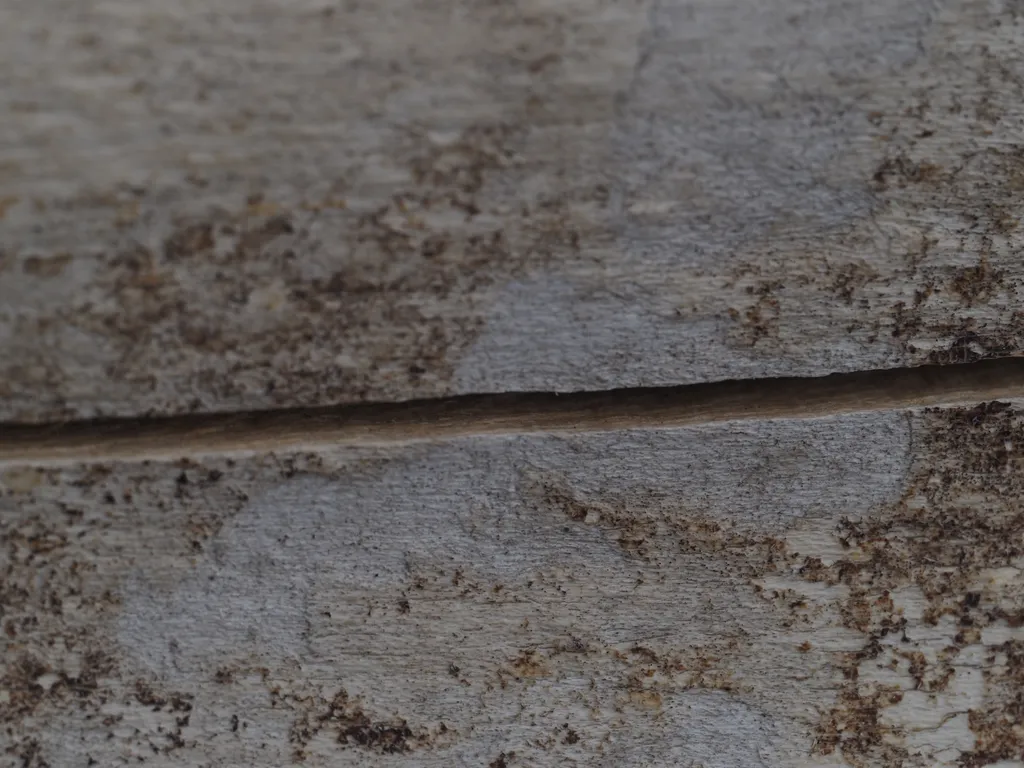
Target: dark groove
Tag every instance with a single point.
(513, 413)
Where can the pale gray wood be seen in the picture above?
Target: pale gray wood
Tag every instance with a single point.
(254, 204)
(837, 591)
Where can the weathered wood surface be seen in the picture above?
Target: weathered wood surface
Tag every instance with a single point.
(256, 204)
(838, 591)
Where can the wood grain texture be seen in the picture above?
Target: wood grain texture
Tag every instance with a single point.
(263, 204)
(839, 591)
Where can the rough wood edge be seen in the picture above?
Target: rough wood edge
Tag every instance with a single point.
(514, 413)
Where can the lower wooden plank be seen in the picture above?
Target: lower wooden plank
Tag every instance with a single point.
(837, 591)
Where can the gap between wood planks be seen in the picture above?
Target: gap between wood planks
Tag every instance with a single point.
(513, 413)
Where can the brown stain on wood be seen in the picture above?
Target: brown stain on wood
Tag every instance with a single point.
(958, 518)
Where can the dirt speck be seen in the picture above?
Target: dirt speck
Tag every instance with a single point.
(759, 320)
(977, 284)
(529, 664)
(49, 266)
(854, 729)
(900, 170)
(354, 728)
(850, 278)
(645, 699)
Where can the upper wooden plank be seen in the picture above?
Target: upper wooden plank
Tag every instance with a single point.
(259, 204)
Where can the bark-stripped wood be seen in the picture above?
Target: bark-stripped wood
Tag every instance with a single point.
(287, 202)
(839, 591)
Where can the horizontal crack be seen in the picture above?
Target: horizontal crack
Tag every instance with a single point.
(511, 413)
